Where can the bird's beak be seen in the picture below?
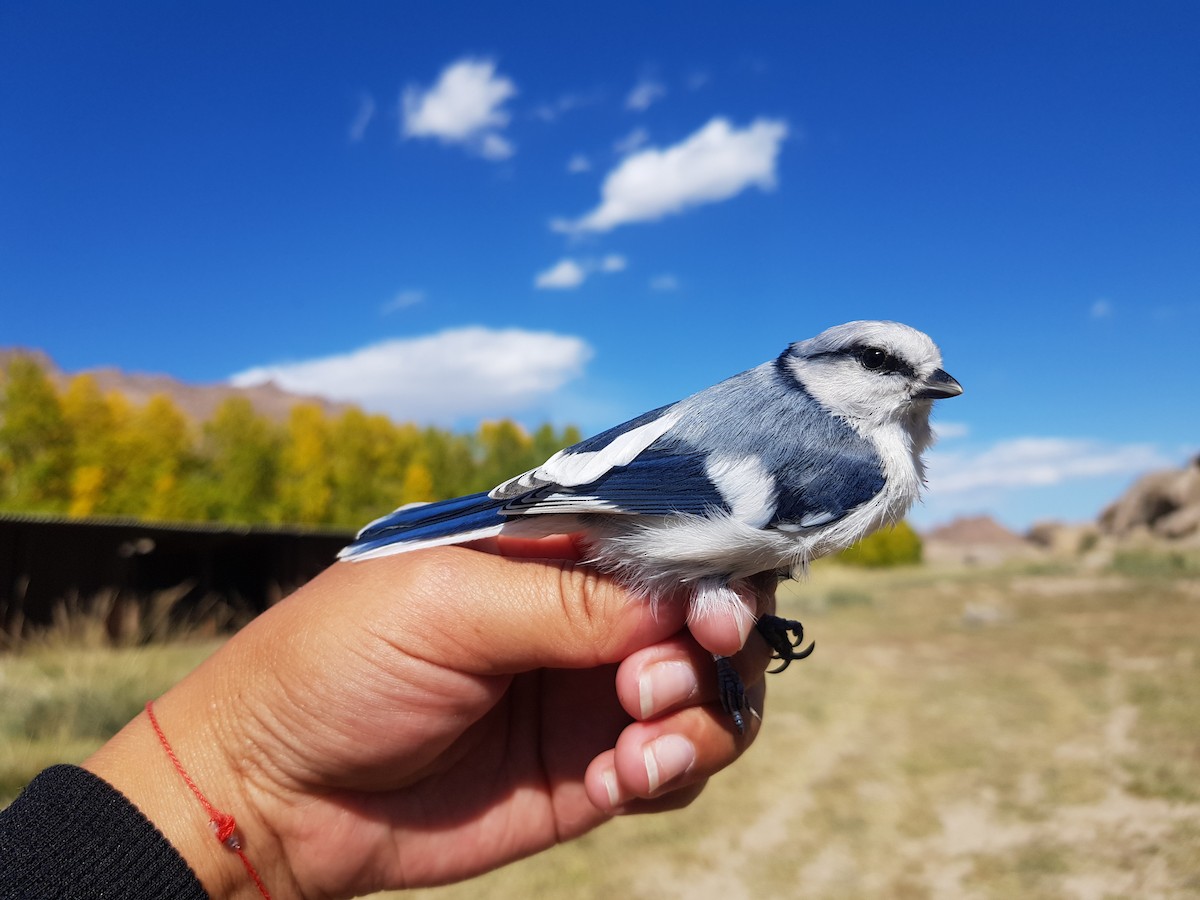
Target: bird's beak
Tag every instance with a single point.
(938, 386)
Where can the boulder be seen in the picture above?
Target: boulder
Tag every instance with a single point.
(1163, 504)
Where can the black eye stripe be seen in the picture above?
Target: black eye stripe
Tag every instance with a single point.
(890, 363)
(876, 359)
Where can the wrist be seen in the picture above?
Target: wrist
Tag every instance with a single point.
(137, 763)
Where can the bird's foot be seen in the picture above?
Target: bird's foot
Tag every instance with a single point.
(731, 692)
(783, 636)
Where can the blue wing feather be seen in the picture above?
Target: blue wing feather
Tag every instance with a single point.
(428, 521)
(599, 441)
(656, 483)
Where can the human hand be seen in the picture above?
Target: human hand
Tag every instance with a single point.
(422, 718)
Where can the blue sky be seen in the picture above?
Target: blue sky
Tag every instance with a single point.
(580, 211)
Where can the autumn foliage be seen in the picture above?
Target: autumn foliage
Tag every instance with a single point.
(83, 452)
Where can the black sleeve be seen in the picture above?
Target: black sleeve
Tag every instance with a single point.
(72, 835)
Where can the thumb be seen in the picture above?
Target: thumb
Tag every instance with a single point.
(490, 615)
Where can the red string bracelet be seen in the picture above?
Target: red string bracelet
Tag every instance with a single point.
(222, 824)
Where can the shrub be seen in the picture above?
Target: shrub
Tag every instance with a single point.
(898, 545)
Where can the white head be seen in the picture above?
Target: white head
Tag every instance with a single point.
(873, 373)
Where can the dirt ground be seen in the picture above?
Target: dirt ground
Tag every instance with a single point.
(1031, 732)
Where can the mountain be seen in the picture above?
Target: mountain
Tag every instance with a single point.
(974, 530)
(974, 540)
(197, 401)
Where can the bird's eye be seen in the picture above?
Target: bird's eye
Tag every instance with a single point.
(873, 358)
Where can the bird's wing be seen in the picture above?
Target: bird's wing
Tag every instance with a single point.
(633, 468)
(589, 460)
(427, 525)
(653, 483)
(824, 486)
(812, 491)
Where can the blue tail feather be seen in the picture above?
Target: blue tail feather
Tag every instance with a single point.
(428, 522)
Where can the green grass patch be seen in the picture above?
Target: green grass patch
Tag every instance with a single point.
(60, 702)
(1154, 563)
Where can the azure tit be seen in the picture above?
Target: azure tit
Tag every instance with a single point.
(757, 475)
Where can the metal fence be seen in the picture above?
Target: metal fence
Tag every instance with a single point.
(49, 564)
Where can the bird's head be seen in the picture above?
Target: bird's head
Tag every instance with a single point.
(872, 373)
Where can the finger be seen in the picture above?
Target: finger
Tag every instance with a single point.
(722, 629)
(668, 802)
(555, 546)
(679, 672)
(721, 616)
(489, 615)
(677, 750)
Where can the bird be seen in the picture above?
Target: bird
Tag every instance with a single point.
(753, 477)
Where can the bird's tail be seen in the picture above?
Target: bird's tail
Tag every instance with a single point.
(416, 526)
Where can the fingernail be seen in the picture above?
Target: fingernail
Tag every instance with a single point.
(609, 777)
(667, 758)
(664, 684)
(745, 621)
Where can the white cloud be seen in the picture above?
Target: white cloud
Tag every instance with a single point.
(567, 273)
(362, 118)
(645, 93)
(465, 107)
(664, 282)
(579, 163)
(549, 112)
(632, 141)
(1034, 462)
(714, 164)
(403, 300)
(563, 275)
(1101, 309)
(495, 147)
(443, 377)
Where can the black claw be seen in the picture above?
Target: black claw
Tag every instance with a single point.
(784, 636)
(731, 692)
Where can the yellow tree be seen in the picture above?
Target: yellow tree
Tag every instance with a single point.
(366, 468)
(404, 447)
(91, 418)
(241, 463)
(306, 485)
(506, 450)
(418, 483)
(121, 465)
(151, 455)
(450, 461)
(162, 443)
(35, 441)
(547, 441)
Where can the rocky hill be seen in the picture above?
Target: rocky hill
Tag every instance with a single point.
(975, 540)
(197, 401)
(1163, 505)
(1161, 508)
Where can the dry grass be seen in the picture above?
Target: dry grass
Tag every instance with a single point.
(66, 689)
(992, 734)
